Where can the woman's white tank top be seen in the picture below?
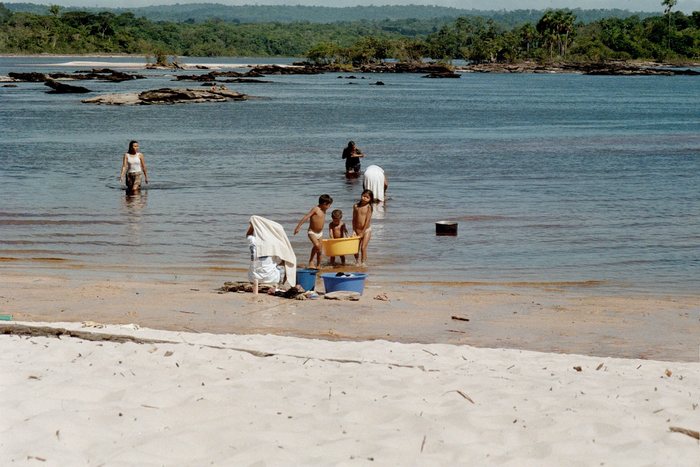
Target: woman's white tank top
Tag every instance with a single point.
(133, 163)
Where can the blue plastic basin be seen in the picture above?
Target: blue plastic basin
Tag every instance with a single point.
(354, 283)
(307, 278)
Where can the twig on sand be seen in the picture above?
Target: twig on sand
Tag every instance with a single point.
(422, 445)
(459, 318)
(463, 395)
(428, 351)
(685, 431)
(47, 331)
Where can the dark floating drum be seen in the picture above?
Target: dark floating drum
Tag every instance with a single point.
(446, 228)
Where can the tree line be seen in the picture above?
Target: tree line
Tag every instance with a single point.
(556, 35)
(202, 12)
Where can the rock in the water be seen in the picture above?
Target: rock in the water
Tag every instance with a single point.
(283, 70)
(124, 98)
(107, 74)
(167, 96)
(28, 77)
(245, 80)
(444, 74)
(61, 88)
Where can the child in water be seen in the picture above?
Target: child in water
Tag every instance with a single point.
(361, 220)
(317, 219)
(337, 229)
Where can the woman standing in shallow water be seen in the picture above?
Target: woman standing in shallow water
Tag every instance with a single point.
(133, 165)
(352, 155)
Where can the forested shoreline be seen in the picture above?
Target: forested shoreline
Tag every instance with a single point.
(558, 35)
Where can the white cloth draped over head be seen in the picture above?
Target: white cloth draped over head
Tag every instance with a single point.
(374, 180)
(270, 240)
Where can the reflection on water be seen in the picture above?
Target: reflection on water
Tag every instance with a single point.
(379, 210)
(133, 209)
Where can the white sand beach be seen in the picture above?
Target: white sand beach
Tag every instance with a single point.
(174, 398)
(390, 381)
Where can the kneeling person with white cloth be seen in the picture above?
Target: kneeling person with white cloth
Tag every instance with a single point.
(272, 259)
(375, 180)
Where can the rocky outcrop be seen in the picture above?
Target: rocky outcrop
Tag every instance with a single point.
(62, 88)
(597, 68)
(212, 76)
(436, 69)
(205, 77)
(446, 74)
(28, 77)
(167, 96)
(102, 74)
(439, 70)
(107, 74)
(631, 70)
(244, 80)
(286, 70)
(392, 67)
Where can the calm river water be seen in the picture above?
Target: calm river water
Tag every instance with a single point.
(552, 178)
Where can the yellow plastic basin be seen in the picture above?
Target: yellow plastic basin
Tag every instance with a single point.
(341, 246)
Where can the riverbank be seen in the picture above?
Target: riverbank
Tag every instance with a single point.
(550, 317)
(434, 69)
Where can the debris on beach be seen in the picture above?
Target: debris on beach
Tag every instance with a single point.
(343, 295)
(464, 395)
(240, 287)
(91, 324)
(685, 431)
(382, 296)
(297, 292)
(459, 318)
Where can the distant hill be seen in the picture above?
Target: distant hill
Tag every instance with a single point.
(200, 12)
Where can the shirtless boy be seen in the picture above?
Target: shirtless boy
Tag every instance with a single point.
(317, 220)
(361, 219)
(337, 229)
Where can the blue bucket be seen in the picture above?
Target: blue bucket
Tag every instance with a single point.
(307, 278)
(354, 283)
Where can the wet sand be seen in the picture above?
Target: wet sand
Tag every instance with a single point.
(559, 318)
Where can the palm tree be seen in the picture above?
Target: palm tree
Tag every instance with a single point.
(669, 4)
(557, 26)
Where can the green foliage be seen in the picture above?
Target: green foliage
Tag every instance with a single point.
(404, 18)
(554, 35)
